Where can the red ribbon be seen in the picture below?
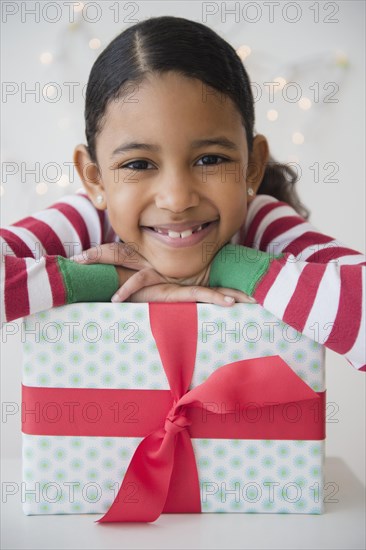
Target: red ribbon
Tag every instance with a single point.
(163, 472)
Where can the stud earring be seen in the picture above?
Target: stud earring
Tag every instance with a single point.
(250, 192)
(99, 199)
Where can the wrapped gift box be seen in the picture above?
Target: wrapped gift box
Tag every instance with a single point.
(98, 378)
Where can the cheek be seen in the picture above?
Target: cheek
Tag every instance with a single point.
(233, 206)
(124, 213)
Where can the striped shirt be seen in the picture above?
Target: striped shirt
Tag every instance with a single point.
(309, 280)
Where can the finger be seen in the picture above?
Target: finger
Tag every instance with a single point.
(123, 254)
(144, 278)
(91, 255)
(239, 296)
(177, 293)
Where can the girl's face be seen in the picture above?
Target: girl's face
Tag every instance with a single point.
(173, 169)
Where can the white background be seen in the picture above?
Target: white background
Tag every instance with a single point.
(41, 131)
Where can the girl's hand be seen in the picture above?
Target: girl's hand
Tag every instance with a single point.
(148, 285)
(140, 282)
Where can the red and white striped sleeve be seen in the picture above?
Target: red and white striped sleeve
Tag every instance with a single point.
(274, 226)
(311, 281)
(35, 272)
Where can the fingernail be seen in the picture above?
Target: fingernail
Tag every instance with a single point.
(229, 299)
(115, 298)
(252, 299)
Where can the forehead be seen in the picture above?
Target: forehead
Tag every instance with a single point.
(170, 106)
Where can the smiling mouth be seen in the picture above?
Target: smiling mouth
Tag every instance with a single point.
(179, 234)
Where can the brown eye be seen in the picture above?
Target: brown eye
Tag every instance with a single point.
(212, 158)
(138, 165)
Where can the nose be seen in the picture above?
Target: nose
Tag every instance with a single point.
(176, 194)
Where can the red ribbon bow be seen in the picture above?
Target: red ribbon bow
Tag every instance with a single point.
(159, 462)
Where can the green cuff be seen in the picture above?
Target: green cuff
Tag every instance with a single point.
(239, 267)
(88, 283)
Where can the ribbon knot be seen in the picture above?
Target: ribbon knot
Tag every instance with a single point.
(175, 421)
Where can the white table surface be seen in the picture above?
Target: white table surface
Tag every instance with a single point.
(341, 526)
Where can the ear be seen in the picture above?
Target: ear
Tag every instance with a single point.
(90, 176)
(257, 162)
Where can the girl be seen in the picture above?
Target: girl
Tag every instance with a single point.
(181, 201)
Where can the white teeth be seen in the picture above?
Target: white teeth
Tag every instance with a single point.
(173, 234)
(176, 234)
(186, 233)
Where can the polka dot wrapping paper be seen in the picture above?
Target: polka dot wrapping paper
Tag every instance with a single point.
(111, 346)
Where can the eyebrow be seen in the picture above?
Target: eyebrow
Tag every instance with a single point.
(221, 141)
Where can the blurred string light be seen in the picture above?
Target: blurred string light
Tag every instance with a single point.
(46, 58)
(304, 103)
(64, 181)
(94, 43)
(272, 115)
(281, 81)
(298, 138)
(41, 188)
(333, 67)
(50, 92)
(342, 59)
(244, 51)
(78, 7)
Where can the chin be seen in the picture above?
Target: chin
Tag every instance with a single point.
(177, 272)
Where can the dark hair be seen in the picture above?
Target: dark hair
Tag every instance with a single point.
(167, 43)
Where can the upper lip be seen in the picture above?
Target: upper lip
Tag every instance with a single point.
(178, 227)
